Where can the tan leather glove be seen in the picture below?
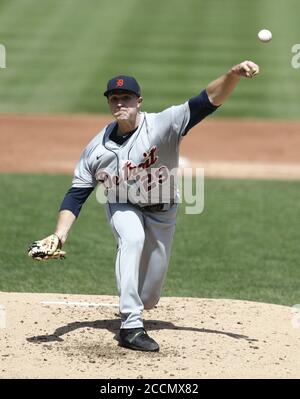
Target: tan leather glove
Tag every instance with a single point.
(47, 248)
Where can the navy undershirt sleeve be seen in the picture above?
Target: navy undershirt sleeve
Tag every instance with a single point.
(75, 198)
(200, 107)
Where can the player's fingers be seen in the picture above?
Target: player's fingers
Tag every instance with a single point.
(255, 71)
(251, 64)
(245, 67)
(254, 68)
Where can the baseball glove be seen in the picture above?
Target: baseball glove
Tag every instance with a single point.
(48, 248)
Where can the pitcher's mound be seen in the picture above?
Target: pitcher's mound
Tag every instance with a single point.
(75, 336)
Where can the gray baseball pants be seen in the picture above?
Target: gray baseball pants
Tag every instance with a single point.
(144, 241)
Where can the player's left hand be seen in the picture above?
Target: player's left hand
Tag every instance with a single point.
(246, 69)
(47, 248)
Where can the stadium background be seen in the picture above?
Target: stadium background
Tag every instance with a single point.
(60, 55)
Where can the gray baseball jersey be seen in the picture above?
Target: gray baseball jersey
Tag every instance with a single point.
(139, 170)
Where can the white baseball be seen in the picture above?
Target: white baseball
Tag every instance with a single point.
(265, 35)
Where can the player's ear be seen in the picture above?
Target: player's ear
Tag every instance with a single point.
(140, 100)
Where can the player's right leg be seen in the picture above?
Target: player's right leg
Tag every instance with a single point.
(127, 225)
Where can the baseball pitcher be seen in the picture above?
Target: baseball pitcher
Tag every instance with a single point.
(134, 157)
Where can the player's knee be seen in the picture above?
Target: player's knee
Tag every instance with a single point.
(135, 242)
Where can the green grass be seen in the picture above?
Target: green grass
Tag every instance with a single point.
(60, 54)
(245, 245)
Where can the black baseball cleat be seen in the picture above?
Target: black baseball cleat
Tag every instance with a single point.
(137, 339)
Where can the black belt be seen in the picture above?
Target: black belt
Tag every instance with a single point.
(156, 207)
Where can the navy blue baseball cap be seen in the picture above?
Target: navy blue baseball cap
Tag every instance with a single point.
(123, 82)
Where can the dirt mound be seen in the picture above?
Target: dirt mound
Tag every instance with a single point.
(75, 336)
